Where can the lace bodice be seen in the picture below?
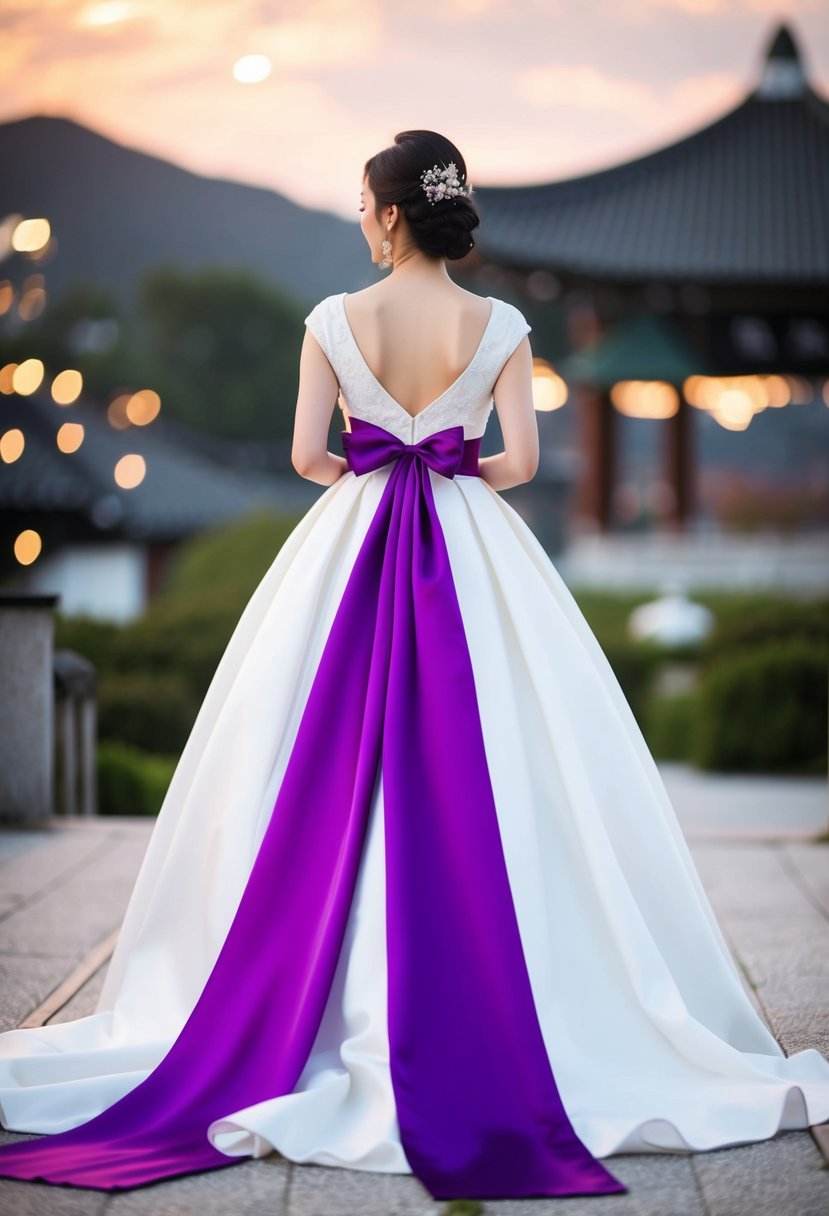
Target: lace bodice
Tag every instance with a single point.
(468, 400)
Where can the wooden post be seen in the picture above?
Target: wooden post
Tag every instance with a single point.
(678, 464)
(594, 494)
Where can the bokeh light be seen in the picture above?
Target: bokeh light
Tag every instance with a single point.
(251, 69)
(7, 378)
(27, 377)
(142, 407)
(12, 443)
(30, 235)
(548, 388)
(70, 436)
(66, 386)
(645, 398)
(27, 546)
(130, 471)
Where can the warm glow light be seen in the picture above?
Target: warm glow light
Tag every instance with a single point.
(778, 392)
(117, 412)
(645, 398)
(30, 235)
(108, 14)
(699, 391)
(143, 406)
(70, 436)
(12, 444)
(735, 408)
(801, 390)
(8, 223)
(6, 296)
(32, 300)
(549, 390)
(734, 400)
(7, 378)
(826, 392)
(130, 471)
(250, 69)
(31, 304)
(27, 547)
(66, 386)
(27, 376)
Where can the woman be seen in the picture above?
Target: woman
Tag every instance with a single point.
(416, 900)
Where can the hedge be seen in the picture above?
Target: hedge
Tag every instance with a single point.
(764, 709)
(669, 726)
(148, 710)
(130, 781)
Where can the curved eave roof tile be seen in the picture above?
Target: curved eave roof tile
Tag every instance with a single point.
(743, 200)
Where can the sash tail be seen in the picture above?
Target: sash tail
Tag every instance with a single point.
(479, 1112)
(251, 1031)
(477, 1104)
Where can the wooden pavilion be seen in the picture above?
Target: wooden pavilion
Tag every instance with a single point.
(706, 258)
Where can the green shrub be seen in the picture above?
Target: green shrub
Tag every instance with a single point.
(91, 638)
(669, 725)
(234, 556)
(183, 636)
(634, 664)
(131, 782)
(807, 621)
(152, 711)
(607, 612)
(764, 709)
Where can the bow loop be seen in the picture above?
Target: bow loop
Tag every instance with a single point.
(368, 447)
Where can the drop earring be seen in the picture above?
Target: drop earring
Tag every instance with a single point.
(387, 258)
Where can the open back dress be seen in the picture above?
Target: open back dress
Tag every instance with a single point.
(416, 900)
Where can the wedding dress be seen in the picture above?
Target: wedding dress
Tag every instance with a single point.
(416, 900)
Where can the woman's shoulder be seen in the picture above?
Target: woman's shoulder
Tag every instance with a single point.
(513, 322)
(508, 308)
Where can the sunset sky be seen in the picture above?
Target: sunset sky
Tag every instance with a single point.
(530, 90)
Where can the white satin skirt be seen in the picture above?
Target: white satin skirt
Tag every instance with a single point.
(652, 1038)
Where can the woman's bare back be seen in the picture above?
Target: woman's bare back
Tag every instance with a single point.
(416, 343)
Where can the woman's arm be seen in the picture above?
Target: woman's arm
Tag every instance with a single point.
(316, 400)
(513, 395)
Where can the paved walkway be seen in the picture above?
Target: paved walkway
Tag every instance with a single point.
(765, 872)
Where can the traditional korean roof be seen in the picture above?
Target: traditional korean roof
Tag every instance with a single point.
(742, 200)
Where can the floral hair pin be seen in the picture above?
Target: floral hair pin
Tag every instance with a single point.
(442, 183)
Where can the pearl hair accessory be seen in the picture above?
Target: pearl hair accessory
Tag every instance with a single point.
(443, 183)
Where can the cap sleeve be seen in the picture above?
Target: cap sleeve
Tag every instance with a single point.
(516, 327)
(317, 322)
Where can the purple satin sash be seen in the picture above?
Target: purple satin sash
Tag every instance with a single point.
(478, 1108)
(368, 447)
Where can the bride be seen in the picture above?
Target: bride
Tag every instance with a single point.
(416, 900)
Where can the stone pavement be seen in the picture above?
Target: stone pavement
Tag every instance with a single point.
(64, 887)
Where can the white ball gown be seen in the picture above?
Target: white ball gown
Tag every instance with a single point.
(416, 900)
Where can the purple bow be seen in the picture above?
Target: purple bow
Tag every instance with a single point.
(368, 447)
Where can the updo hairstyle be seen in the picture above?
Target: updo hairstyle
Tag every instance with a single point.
(441, 229)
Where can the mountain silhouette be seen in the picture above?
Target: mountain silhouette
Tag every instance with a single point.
(117, 212)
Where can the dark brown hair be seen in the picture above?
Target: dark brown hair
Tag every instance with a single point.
(442, 229)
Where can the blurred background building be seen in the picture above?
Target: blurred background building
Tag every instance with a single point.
(150, 321)
(682, 298)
